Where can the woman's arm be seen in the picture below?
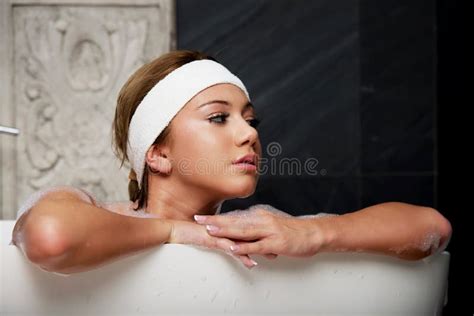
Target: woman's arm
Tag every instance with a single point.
(66, 234)
(398, 229)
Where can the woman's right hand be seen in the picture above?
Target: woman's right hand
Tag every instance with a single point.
(183, 232)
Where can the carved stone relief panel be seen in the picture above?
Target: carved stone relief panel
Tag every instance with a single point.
(69, 65)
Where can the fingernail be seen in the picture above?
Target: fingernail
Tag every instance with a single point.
(200, 218)
(212, 228)
(234, 248)
(254, 262)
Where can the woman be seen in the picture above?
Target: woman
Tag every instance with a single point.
(188, 129)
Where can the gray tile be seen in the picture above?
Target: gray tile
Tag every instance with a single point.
(409, 189)
(398, 85)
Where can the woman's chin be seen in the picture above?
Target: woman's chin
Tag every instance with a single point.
(241, 190)
(244, 191)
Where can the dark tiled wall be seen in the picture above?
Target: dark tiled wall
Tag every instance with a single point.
(350, 84)
(397, 101)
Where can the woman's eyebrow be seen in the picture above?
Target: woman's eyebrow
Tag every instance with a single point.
(214, 101)
(248, 105)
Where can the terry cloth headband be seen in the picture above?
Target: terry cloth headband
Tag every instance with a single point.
(166, 99)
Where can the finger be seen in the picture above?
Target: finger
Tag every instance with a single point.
(222, 243)
(225, 244)
(217, 220)
(245, 225)
(259, 247)
(271, 256)
(247, 261)
(236, 232)
(203, 219)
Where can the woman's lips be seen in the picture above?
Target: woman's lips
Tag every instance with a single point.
(246, 166)
(249, 158)
(247, 162)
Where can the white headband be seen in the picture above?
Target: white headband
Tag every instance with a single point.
(166, 99)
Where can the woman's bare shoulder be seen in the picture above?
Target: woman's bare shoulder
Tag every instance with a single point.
(117, 207)
(54, 192)
(70, 192)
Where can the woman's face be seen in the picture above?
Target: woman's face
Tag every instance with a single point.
(214, 129)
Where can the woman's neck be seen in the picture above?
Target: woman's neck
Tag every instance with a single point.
(171, 201)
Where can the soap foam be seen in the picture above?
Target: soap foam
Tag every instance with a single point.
(250, 212)
(269, 208)
(317, 215)
(429, 243)
(252, 209)
(38, 195)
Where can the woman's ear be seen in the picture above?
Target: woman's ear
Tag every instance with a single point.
(157, 159)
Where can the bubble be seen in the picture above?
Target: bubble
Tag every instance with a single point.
(251, 211)
(431, 242)
(237, 213)
(39, 195)
(269, 208)
(317, 215)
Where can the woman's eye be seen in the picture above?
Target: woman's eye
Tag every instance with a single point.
(219, 119)
(254, 122)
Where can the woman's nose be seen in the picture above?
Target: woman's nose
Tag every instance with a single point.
(245, 134)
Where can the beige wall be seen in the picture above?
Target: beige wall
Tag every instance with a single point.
(62, 64)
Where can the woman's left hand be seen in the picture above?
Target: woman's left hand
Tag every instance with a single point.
(259, 231)
(184, 232)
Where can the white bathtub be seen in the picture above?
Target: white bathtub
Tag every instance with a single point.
(178, 279)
